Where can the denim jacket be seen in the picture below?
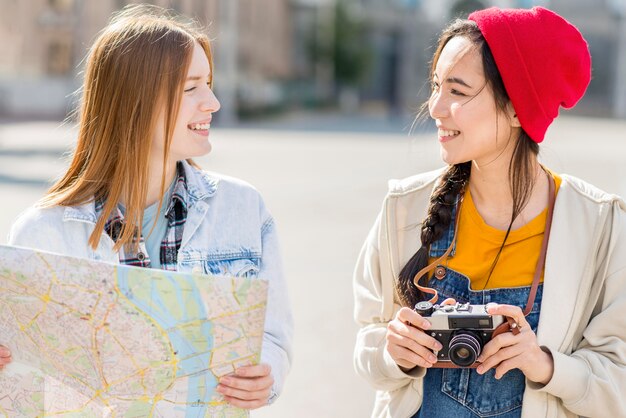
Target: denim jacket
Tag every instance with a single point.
(228, 232)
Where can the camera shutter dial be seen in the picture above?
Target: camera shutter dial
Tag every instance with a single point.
(424, 308)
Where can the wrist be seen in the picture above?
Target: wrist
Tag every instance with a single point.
(546, 366)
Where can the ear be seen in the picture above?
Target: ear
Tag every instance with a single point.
(510, 111)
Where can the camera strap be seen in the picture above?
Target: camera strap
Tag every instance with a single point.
(541, 262)
(438, 261)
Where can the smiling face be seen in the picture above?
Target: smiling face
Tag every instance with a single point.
(197, 105)
(470, 126)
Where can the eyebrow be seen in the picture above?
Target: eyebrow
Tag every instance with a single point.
(197, 77)
(455, 80)
(458, 81)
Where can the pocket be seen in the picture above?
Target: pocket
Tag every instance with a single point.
(235, 267)
(483, 394)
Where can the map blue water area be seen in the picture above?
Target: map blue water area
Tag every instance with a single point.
(192, 363)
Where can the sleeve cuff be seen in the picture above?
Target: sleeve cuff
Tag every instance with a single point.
(273, 396)
(570, 378)
(394, 371)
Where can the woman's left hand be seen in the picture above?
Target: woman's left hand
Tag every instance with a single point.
(508, 351)
(249, 387)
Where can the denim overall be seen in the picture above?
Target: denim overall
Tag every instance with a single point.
(463, 393)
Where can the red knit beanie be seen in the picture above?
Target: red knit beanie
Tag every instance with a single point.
(543, 59)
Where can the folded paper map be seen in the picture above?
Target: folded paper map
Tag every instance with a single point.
(92, 339)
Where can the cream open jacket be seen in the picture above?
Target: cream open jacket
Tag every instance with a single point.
(583, 311)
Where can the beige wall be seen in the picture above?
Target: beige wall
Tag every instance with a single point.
(47, 39)
(29, 29)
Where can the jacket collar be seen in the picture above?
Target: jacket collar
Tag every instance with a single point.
(200, 185)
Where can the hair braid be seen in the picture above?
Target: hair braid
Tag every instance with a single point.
(434, 225)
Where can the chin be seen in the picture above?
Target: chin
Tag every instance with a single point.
(452, 159)
(204, 150)
(447, 158)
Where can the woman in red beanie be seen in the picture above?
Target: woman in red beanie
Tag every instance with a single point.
(532, 263)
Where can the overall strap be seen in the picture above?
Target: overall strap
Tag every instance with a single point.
(438, 261)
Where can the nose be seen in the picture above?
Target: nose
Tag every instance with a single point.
(209, 102)
(437, 106)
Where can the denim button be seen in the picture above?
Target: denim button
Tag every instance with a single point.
(440, 272)
(141, 256)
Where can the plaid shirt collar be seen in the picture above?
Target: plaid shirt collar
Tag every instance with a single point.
(176, 215)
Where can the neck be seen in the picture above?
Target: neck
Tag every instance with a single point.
(490, 183)
(154, 193)
(493, 199)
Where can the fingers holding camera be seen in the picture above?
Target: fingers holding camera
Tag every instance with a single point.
(407, 343)
(521, 351)
(5, 356)
(412, 325)
(513, 312)
(500, 349)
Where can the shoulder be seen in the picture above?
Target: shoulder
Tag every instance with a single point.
(419, 183)
(36, 224)
(236, 193)
(203, 183)
(407, 199)
(228, 184)
(574, 188)
(226, 194)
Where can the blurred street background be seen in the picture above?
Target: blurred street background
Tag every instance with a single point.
(318, 101)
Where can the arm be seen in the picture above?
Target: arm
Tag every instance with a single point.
(255, 386)
(278, 336)
(374, 309)
(592, 380)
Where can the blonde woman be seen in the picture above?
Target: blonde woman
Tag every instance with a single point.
(132, 194)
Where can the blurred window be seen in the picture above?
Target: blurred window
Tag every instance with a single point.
(463, 8)
(59, 57)
(61, 5)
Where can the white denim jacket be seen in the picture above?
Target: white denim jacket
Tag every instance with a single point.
(228, 231)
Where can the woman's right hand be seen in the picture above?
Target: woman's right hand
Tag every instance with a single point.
(407, 343)
(5, 356)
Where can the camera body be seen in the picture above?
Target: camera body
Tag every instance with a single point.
(462, 329)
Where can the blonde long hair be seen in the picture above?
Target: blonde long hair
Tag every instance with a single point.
(136, 67)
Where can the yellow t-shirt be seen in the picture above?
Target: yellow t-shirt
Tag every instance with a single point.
(478, 244)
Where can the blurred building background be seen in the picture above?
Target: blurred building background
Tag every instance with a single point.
(273, 56)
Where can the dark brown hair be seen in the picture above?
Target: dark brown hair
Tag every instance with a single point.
(454, 180)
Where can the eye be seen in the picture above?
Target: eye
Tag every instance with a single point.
(190, 89)
(456, 93)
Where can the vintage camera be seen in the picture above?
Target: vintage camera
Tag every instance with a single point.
(462, 329)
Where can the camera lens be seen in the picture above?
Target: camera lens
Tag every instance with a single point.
(465, 347)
